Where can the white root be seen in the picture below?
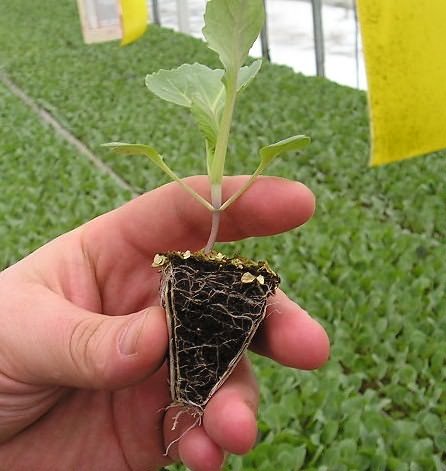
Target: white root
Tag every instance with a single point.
(197, 413)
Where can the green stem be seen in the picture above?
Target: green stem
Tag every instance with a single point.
(221, 148)
(186, 187)
(217, 166)
(240, 192)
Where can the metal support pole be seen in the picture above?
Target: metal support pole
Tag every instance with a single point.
(264, 38)
(156, 12)
(318, 37)
(183, 16)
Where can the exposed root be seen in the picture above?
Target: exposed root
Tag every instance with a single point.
(170, 406)
(195, 412)
(272, 307)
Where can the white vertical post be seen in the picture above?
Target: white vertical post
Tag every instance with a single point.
(183, 16)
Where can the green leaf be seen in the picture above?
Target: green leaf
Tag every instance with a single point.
(231, 28)
(197, 87)
(432, 424)
(330, 431)
(299, 457)
(187, 83)
(269, 153)
(247, 74)
(207, 123)
(123, 148)
(440, 442)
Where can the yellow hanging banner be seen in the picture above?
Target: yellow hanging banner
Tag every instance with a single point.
(134, 19)
(405, 54)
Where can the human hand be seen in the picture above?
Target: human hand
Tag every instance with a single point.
(83, 376)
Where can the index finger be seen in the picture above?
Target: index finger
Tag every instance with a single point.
(168, 219)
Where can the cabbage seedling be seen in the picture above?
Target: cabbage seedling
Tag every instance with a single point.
(231, 28)
(214, 304)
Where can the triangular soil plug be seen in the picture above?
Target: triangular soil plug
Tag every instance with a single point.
(214, 306)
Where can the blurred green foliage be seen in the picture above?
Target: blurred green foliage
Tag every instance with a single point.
(370, 265)
(45, 188)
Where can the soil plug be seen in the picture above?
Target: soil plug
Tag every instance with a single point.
(214, 306)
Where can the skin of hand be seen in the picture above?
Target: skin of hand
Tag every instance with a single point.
(83, 341)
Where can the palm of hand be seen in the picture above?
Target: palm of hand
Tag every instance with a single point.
(115, 429)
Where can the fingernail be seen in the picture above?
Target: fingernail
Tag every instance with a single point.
(128, 343)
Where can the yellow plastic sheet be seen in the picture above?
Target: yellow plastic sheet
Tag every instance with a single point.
(405, 53)
(134, 19)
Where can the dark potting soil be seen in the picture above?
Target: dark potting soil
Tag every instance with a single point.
(214, 308)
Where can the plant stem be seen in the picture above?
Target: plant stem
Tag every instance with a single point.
(216, 195)
(221, 147)
(214, 232)
(218, 161)
(185, 186)
(240, 192)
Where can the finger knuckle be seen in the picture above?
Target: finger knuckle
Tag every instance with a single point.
(86, 352)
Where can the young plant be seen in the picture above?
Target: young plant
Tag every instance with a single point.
(213, 304)
(231, 28)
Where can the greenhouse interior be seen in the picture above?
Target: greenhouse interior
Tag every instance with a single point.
(342, 367)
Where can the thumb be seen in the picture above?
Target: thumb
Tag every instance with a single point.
(62, 344)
